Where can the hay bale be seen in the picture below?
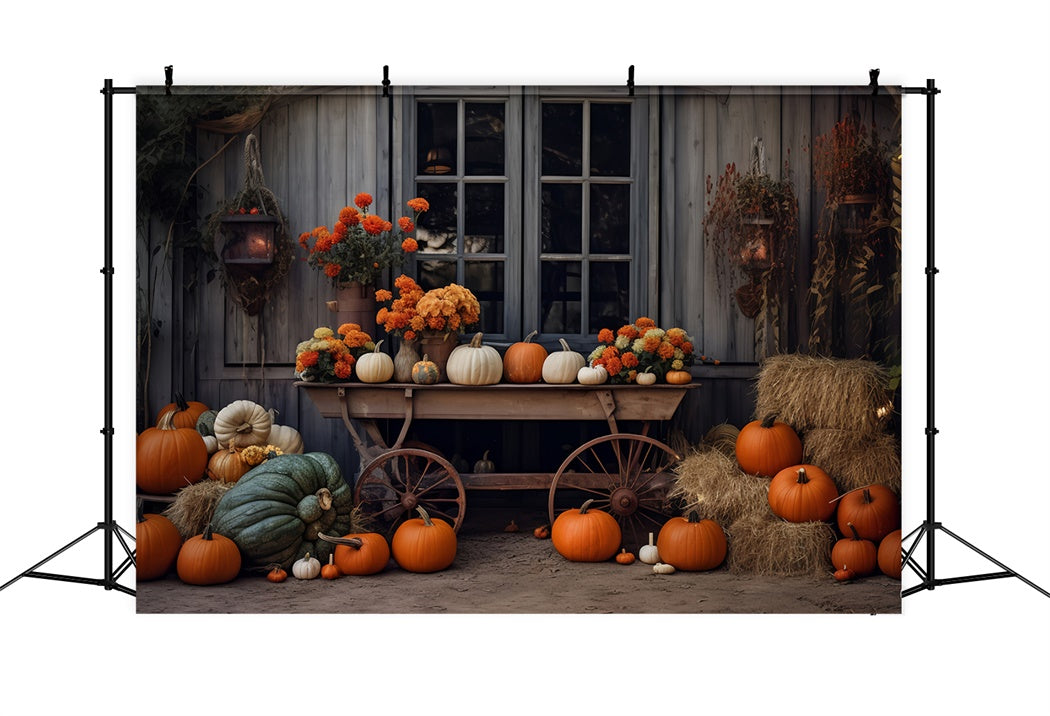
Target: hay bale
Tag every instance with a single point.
(809, 392)
(722, 437)
(855, 460)
(767, 545)
(194, 506)
(711, 483)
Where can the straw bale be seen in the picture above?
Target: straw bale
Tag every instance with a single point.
(767, 545)
(810, 392)
(711, 483)
(194, 506)
(722, 437)
(855, 460)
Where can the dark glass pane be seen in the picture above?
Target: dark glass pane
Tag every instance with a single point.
(485, 279)
(436, 230)
(611, 140)
(561, 219)
(610, 219)
(436, 138)
(562, 139)
(483, 221)
(560, 297)
(483, 143)
(609, 294)
(435, 274)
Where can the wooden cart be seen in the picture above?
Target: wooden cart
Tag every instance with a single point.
(627, 474)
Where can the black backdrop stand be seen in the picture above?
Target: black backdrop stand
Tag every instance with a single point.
(108, 526)
(930, 527)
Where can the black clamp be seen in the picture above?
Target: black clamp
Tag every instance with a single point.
(932, 270)
(873, 81)
(167, 78)
(386, 80)
(932, 431)
(630, 80)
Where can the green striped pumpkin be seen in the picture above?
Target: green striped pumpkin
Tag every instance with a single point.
(276, 510)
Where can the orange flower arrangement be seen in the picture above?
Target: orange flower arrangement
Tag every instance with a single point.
(449, 309)
(330, 357)
(360, 245)
(643, 347)
(400, 318)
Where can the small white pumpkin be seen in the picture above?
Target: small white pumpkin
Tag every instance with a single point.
(592, 376)
(645, 378)
(306, 568)
(661, 568)
(375, 367)
(474, 364)
(648, 552)
(212, 443)
(287, 438)
(560, 367)
(241, 424)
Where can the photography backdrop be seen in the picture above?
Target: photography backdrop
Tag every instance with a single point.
(1006, 616)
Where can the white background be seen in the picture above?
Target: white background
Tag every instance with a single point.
(966, 649)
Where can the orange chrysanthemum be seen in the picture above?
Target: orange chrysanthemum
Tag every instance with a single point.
(644, 323)
(349, 216)
(418, 204)
(410, 335)
(606, 336)
(348, 327)
(383, 295)
(343, 369)
(332, 270)
(308, 358)
(665, 350)
(629, 360)
(406, 224)
(363, 200)
(409, 245)
(373, 225)
(628, 331)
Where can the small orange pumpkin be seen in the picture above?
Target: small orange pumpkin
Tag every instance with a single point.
(855, 553)
(330, 571)
(542, 532)
(277, 574)
(523, 361)
(586, 535)
(424, 545)
(844, 575)
(360, 554)
(765, 447)
(625, 557)
(186, 412)
(678, 377)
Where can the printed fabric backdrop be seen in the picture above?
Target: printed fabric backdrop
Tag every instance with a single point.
(519, 349)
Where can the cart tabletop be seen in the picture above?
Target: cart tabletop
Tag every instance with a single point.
(502, 401)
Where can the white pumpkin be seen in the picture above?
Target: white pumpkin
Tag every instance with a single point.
(474, 364)
(241, 424)
(588, 375)
(212, 443)
(661, 568)
(285, 437)
(645, 378)
(375, 367)
(306, 568)
(560, 367)
(648, 552)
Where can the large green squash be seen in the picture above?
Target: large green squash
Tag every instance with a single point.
(276, 510)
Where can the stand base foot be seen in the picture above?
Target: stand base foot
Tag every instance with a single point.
(930, 582)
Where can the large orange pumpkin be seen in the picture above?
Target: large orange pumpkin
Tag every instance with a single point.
(586, 535)
(168, 458)
(874, 510)
(157, 543)
(803, 493)
(523, 361)
(186, 412)
(765, 447)
(424, 545)
(889, 554)
(208, 559)
(691, 544)
(360, 553)
(855, 554)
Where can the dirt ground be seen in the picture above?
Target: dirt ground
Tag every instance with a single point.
(497, 572)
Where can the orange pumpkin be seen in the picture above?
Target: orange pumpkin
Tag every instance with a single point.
(802, 493)
(277, 574)
(330, 571)
(855, 554)
(765, 447)
(586, 535)
(360, 554)
(424, 545)
(208, 559)
(186, 412)
(889, 555)
(523, 361)
(625, 557)
(691, 544)
(157, 543)
(168, 458)
(874, 510)
(678, 377)
(227, 465)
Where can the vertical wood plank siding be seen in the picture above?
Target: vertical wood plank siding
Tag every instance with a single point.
(318, 151)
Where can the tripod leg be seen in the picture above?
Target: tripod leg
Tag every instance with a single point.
(51, 556)
(908, 560)
(994, 561)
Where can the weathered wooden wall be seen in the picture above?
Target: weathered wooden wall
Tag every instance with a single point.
(318, 151)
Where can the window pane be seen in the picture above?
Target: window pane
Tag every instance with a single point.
(436, 231)
(610, 219)
(483, 141)
(611, 140)
(561, 221)
(483, 221)
(485, 279)
(436, 138)
(560, 297)
(562, 139)
(436, 274)
(610, 294)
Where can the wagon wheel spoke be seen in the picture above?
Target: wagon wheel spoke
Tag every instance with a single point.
(396, 482)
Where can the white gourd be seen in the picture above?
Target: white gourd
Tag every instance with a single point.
(661, 568)
(287, 438)
(375, 367)
(648, 552)
(560, 367)
(306, 568)
(592, 376)
(241, 424)
(474, 364)
(645, 378)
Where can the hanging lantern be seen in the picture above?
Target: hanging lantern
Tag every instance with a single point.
(250, 241)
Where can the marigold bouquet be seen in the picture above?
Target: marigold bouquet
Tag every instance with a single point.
(448, 309)
(401, 318)
(641, 347)
(329, 356)
(361, 245)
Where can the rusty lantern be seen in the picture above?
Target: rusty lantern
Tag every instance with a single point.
(248, 250)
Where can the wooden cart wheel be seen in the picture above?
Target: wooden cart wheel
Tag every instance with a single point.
(627, 475)
(392, 485)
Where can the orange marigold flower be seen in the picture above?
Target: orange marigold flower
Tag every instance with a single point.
(686, 347)
(676, 336)
(339, 231)
(629, 360)
(347, 328)
(382, 314)
(332, 270)
(628, 331)
(387, 226)
(613, 365)
(308, 358)
(406, 224)
(299, 367)
(343, 369)
(409, 245)
(418, 323)
(356, 339)
(383, 295)
(418, 204)
(666, 350)
(610, 352)
(606, 336)
(363, 200)
(644, 322)
(373, 224)
(303, 238)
